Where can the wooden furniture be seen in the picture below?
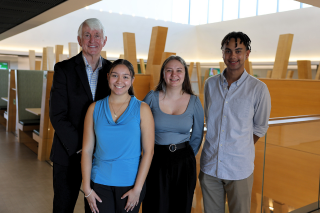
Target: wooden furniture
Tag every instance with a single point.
(28, 95)
(10, 116)
(293, 97)
(282, 56)
(304, 69)
(35, 111)
(38, 65)
(269, 73)
(289, 74)
(318, 73)
(156, 48)
(129, 46)
(142, 66)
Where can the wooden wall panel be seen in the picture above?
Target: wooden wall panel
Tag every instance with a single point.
(282, 56)
(198, 67)
(129, 46)
(289, 74)
(293, 97)
(318, 73)
(50, 58)
(58, 50)
(32, 59)
(190, 70)
(44, 59)
(38, 65)
(103, 54)
(73, 49)
(304, 69)
(142, 66)
(269, 73)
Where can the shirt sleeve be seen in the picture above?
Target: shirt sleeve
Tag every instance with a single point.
(197, 127)
(262, 113)
(148, 98)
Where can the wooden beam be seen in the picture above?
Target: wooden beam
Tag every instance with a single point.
(44, 59)
(190, 70)
(50, 57)
(58, 50)
(199, 75)
(38, 65)
(142, 66)
(222, 66)
(282, 56)
(103, 54)
(73, 49)
(304, 69)
(11, 105)
(248, 66)
(32, 59)
(269, 73)
(121, 56)
(129, 46)
(289, 74)
(63, 57)
(318, 73)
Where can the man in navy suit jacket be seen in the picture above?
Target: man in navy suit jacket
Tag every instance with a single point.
(77, 83)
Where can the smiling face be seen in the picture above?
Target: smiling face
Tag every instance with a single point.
(234, 57)
(120, 79)
(92, 41)
(174, 73)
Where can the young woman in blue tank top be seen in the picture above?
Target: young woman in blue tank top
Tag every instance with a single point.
(116, 129)
(172, 177)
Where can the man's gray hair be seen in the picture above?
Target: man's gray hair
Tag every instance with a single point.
(94, 24)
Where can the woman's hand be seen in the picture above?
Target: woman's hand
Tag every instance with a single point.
(133, 198)
(92, 201)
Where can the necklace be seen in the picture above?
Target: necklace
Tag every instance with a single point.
(114, 112)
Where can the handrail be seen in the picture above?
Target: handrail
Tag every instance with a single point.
(293, 120)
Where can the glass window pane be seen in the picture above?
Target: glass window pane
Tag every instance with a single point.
(285, 5)
(306, 5)
(215, 11)
(248, 8)
(198, 12)
(230, 9)
(267, 7)
(180, 11)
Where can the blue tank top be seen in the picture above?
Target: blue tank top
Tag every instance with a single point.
(118, 145)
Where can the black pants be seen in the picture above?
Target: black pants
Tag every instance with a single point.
(66, 186)
(171, 181)
(111, 198)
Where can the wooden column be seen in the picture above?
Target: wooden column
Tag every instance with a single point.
(304, 69)
(11, 105)
(58, 50)
(32, 59)
(156, 48)
(222, 66)
(121, 56)
(318, 73)
(129, 46)
(50, 57)
(38, 65)
(103, 54)
(63, 57)
(44, 59)
(269, 73)
(289, 74)
(142, 66)
(201, 92)
(248, 66)
(190, 69)
(73, 49)
(282, 56)
(199, 75)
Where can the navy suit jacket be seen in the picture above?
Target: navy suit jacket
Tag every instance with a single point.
(70, 98)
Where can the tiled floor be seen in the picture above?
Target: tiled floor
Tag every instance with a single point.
(25, 182)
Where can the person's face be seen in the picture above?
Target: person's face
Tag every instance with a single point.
(120, 79)
(92, 41)
(234, 57)
(174, 73)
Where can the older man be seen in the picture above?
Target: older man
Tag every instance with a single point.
(77, 83)
(237, 110)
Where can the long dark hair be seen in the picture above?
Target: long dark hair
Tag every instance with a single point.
(130, 68)
(186, 85)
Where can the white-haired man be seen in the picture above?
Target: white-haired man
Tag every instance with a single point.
(77, 83)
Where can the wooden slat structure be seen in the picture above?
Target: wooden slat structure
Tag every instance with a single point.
(44, 59)
(103, 54)
(142, 85)
(222, 66)
(58, 51)
(11, 104)
(4, 78)
(318, 73)
(269, 73)
(63, 57)
(289, 74)
(156, 48)
(304, 69)
(73, 49)
(282, 56)
(129, 46)
(32, 59)
(198, 67)
(38, 65)
(190, 70)
(142, 66)
(248, 66)
(46, 130)
(121, 56)
(50, 58)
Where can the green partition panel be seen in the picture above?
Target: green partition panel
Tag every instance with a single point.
(4, 75)
(29, 85)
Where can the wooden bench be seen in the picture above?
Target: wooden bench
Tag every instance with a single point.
(3, 94)
(28, 95)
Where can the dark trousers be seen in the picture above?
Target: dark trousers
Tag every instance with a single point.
(171, 181)
(111, 198)
(66, 186)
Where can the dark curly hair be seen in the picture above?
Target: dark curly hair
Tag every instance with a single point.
(243, 39)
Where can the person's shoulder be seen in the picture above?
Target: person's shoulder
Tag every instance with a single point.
(256, 82)
(213, 79)
(149, 95)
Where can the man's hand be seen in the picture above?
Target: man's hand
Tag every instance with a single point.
(255, 138)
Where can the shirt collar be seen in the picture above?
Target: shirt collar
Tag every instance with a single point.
(87, 64)
(238, 82)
